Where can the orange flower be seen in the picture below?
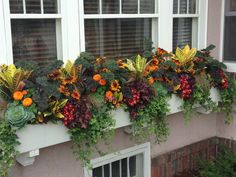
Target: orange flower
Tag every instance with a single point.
(155, 61)
(102, 82)
(75, 95)
(62, 89)
(97, 77)
(121, 64)
(151, 80)
(24, 92)
(69, 80)
(27, 102)
(115, 86)
(109, 95)
(153, 68)
(18, 95)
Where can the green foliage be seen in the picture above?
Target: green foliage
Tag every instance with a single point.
(152, 119)
(44, 88)
(86, 59)
(85, 140)
(11, 79)
(18, 116)
(228, 99)
(8, 141)
(223, 166)
(201, 96)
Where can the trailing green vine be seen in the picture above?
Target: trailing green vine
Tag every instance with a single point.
(8, 142)
(152, 119)
(228, 99)
(85, 140)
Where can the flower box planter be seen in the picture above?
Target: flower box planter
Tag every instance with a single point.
(35, 137)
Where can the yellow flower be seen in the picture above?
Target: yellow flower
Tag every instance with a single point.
(115, 86)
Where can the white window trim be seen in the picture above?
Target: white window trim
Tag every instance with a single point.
(143, 148)
(73, 33)
(166, 23)
(231, 66)
(83, 17)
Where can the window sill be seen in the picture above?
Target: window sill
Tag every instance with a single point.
(35, 137)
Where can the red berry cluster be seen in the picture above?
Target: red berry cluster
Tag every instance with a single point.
(68, 112)
(77, 114)
(186, 86)
(224, 80)
(135, 97)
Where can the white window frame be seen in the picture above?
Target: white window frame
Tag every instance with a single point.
(139, 149)
(231, 66)
(73, 33)
(84, 16)
(66, 30)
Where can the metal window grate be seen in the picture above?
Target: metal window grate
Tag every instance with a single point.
(126, 167)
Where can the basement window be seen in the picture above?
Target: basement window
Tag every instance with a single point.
(132, 162)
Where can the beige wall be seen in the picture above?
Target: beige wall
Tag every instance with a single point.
(59, 161)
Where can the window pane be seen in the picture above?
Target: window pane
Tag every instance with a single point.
(175, 7)
(16, 6)
(116, 37)
(183, 7)
(184, 32)
(129, 6)
(97, 172)
(124, 167)
(116, 169)
(192, 6)
(110, 6)
(34, 40)
(91, 6)
(50, 6)
(233, 5)
(33, 6)
(147, 6)
(107, 170)
(230, 36)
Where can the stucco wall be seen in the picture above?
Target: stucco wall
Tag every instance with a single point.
(59, 161)
(214, 37)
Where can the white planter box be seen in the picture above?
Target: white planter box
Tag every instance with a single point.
(35, 137)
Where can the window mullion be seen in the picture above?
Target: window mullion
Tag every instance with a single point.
(138, 6)
(3, 49)
(24, 6)
(72, 28)
(187, 6)
(8, 36)
(42, 6)
(202, 24)
(100, 6)
(165, 24)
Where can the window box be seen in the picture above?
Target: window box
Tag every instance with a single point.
(35, 137)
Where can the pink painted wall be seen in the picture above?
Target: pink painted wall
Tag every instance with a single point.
(214, 25)
(214, 33)
(59, 161)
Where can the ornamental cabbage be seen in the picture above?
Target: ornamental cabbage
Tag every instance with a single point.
(17, 116)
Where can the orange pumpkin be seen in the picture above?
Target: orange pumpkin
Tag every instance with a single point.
(27, 102)
(18, 95)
